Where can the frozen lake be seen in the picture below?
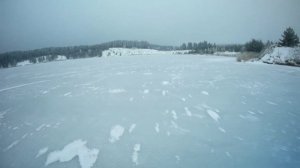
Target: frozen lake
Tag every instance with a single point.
(150, 111)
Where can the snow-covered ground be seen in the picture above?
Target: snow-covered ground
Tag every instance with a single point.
(282, 55)
(150, 111)
(42, 59)
(227, 53)
(136, 51)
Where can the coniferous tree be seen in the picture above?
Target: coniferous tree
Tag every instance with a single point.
(190, 46)
(254, 46)
(289, 38)
(183, 46)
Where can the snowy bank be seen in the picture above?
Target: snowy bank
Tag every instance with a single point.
(227, 53)
(43, 59)
(282, 56)
(137, 51)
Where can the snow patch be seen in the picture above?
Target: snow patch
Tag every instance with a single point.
(68, 94)
(40, 127)
(87, 157)
(23, 63)
(174, 115)
(271, 103)
(205, 93)
(2, 114)
(135, 154)
(165, 83)
(116, 91)
(222, 129)
(146, 91)
(11, 145)
(131, 128)
(188, 112)
(41, 152)
(115, 133)
(157, 127)
(213, 115)
(227, 53)
(61, 58)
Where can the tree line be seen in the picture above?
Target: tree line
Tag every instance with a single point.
(10, 59)
(209, 48)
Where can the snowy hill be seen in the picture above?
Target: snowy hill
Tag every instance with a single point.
(282, 56)
(136, 51)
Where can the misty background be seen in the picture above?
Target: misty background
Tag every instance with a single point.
(31, 24)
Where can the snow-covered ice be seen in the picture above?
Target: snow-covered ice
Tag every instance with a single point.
(199, 111)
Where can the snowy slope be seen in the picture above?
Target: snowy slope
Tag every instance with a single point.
(136, 51)
(163, 111)
(282, 55)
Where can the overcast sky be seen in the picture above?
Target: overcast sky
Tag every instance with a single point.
(30, 24)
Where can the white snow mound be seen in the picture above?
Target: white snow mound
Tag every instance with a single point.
(282, 55)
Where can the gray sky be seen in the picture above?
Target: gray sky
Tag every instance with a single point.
(30, 24)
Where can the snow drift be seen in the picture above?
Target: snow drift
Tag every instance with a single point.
(282, 56)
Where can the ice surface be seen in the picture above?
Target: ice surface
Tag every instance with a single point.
(22, 85)
(249, 118)
(87, 157)
(116, 132)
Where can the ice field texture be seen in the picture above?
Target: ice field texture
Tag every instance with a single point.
(153, 111)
